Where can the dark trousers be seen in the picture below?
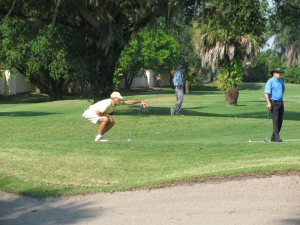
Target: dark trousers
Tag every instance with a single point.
(277, 117)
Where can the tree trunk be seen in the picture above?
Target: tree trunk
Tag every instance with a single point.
(187, 87)
(56, 90)
(102, 81)
(232, 95)
(171, 79)
(106, 65)
(128, 82)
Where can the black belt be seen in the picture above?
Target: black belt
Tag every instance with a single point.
(276, 101)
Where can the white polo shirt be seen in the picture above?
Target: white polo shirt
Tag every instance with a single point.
(104, 106)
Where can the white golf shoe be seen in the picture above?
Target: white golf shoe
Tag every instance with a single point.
(100, 139)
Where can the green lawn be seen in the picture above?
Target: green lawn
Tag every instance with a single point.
(48, 149)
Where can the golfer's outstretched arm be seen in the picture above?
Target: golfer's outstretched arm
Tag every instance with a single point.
(133, 102)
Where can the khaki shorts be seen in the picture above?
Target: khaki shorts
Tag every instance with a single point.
(91, 116)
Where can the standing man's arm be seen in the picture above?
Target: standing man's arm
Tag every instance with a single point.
(283, 90)
(268, 101)
(267, 92)
(175, 79)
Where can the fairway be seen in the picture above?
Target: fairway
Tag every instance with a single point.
(47, 149)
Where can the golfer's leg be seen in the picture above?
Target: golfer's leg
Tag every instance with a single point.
(175, 106)
(180, 100)
(108, 126)
(280, 117)
(179, 97)
(273, 137)
(103, 123)
(275, 120)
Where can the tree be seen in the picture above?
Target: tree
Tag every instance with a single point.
(102, 27)
(230, 31)
(260, 67)
(284, 24)
(159, 52)
(129, 64)
(187, 57)
(43, 58)
(150, 49)
(292, 74)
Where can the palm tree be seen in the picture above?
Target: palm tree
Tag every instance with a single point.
(233, 33)
(284, 23)
(287, 42)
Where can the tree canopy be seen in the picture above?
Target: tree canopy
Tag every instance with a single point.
(101, 28)
(284, 23)
(232, 30)
(52, 42)
(149, 49)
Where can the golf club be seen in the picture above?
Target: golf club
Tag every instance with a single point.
(266, 139)
(128, 139)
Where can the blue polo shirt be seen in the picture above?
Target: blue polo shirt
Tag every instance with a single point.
(177, 79)
(274, 88)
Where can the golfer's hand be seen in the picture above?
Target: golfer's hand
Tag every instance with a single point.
(269, 106)
(144, 104)
(110, 118)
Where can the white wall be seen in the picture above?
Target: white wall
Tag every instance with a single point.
(2, 82)
(145, 81)
(14, 83)
(150, 81)
(165, 78)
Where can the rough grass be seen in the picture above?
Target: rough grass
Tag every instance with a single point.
(48, 149)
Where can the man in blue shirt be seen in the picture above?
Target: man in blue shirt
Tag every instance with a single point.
(177, 81)
(274, 92)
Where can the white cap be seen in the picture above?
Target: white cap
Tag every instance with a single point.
(116, 95)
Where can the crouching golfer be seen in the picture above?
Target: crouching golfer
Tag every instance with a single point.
(99, 112)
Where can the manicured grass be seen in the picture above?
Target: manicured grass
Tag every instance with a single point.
(48, 149)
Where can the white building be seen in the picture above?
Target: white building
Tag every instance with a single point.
(11, 84)
(148, 81)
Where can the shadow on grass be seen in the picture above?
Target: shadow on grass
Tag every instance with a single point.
(163, 111)
(146, 91)
(204, 90)
(206, 93)
(251, 86)
(23, 98)
(26, 114)
(209, 88)
(35, 98)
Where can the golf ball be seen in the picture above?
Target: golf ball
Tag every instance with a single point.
(128, 139)
(249, 141)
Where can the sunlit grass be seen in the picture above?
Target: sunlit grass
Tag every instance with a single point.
(48, 149)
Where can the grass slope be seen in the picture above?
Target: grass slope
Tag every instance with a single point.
(47, 149)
